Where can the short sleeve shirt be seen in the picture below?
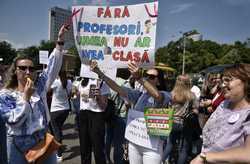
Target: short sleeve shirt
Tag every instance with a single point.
(60, 96)
(226, 128)
(144, 99)
(87, 103)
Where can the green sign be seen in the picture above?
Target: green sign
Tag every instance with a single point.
(159, 121)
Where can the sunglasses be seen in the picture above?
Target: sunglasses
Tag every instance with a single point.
(25, 68)
(227, 79)
(150, 76)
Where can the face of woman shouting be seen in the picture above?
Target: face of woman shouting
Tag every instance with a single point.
(233, 88)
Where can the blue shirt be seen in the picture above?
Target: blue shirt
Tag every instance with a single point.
(144, 99)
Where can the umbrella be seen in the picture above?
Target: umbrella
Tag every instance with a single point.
(216, 68)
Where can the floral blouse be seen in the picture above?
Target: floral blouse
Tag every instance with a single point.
(26, 117)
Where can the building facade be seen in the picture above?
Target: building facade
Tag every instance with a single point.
(57, 17)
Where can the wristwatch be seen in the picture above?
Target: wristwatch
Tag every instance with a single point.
(60, 43)
(203, 156)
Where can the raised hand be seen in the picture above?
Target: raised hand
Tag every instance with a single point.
(62, 31)
(28, 89)
(94, 67)
(134, 70)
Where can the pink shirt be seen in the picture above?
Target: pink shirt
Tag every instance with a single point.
(226, 129)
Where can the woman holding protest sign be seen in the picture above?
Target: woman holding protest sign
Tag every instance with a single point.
(139, 153)
(23, 105)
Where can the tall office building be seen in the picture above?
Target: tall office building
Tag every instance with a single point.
(248, 43)
(57, 17)
(194, 35)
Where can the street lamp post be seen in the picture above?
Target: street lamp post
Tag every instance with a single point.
(184, 51)
(183, 56)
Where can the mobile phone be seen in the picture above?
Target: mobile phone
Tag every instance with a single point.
(92, 89)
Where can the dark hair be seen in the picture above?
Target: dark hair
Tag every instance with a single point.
(147, 21)
(63, 78)
(84, 82)
(11, 78)
(242, 72)
(161, 79)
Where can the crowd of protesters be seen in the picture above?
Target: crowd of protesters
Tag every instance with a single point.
(211, 121)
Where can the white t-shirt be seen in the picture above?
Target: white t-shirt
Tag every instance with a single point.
(87, 103)
(60, 95)
(196, 90)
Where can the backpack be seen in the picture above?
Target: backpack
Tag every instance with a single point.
(191, 123)
(110, 109)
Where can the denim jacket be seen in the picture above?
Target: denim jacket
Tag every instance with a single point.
(27, 121)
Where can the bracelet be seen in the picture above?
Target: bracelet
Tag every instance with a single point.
(142, 80)
(101, 76)
(60, 43)
(203, 156)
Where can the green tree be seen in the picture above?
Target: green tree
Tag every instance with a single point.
(47, 45)
(73, 51)
(202, 54)
(7, 53)
(32, 52)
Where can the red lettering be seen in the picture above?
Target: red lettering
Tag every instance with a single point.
(137, 57)
(124, 41)
(117, 12)
(125, 12)
(116, 55)
(121, 41)
(99, 12)
(107, 13)
(145, 57)
(122, 58)
(129, 56)
(117, 41)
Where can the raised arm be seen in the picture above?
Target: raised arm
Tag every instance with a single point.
(55, 59)
(152, 90)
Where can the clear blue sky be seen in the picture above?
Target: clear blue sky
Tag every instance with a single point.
(25, 22)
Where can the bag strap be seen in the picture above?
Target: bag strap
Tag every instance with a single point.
(101, 84)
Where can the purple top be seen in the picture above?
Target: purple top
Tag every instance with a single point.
(226, 128)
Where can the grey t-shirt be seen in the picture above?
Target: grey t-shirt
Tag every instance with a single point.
(226, 128)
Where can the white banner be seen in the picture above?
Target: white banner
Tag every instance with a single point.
(122, 33)
(136, 131)
(108, 70)
(43, 57)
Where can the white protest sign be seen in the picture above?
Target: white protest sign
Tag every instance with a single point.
(136, 131)
(43, 57)
(109, 70)
(126, 33)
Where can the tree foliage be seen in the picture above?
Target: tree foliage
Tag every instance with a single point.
(7, 53)
(202, 54)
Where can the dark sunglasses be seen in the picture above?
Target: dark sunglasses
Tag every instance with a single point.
(150, 76)
(227, 79)
(24, 68)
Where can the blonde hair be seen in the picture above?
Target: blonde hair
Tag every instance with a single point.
(182, 89)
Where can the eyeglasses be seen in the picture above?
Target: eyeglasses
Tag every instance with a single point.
(150, 76)
(24, 68)
(227, 79)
